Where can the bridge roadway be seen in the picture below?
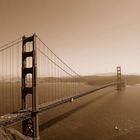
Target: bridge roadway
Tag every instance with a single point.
(12, 118)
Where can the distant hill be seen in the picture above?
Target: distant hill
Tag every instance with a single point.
(102, 79)
(132, 79)
(99, 79)
(95, 79)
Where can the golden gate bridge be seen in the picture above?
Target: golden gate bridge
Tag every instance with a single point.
(34, 79)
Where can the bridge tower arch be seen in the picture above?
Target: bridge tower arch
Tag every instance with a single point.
(30, 126)
(119, 78)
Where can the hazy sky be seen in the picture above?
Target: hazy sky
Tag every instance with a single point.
(91, 36)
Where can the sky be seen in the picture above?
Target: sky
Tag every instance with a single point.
(91, 36)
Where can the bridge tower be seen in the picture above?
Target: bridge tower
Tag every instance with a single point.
(30, 126)
(119, 78)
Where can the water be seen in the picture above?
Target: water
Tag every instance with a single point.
(95, 117)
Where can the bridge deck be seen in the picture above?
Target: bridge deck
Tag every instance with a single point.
(10, 119)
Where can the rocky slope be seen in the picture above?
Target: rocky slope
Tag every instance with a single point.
(11, 134)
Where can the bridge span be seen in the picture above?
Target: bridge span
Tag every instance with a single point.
(35, 80)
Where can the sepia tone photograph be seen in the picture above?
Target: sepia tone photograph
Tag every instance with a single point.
(69, 69)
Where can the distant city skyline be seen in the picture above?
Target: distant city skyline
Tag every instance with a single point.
(91, 36)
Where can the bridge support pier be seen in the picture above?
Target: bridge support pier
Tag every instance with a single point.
(30, 126)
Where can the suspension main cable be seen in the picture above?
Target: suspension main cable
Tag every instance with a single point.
(58, 57)
(2, 49)
(7, 44)
(55, 63)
